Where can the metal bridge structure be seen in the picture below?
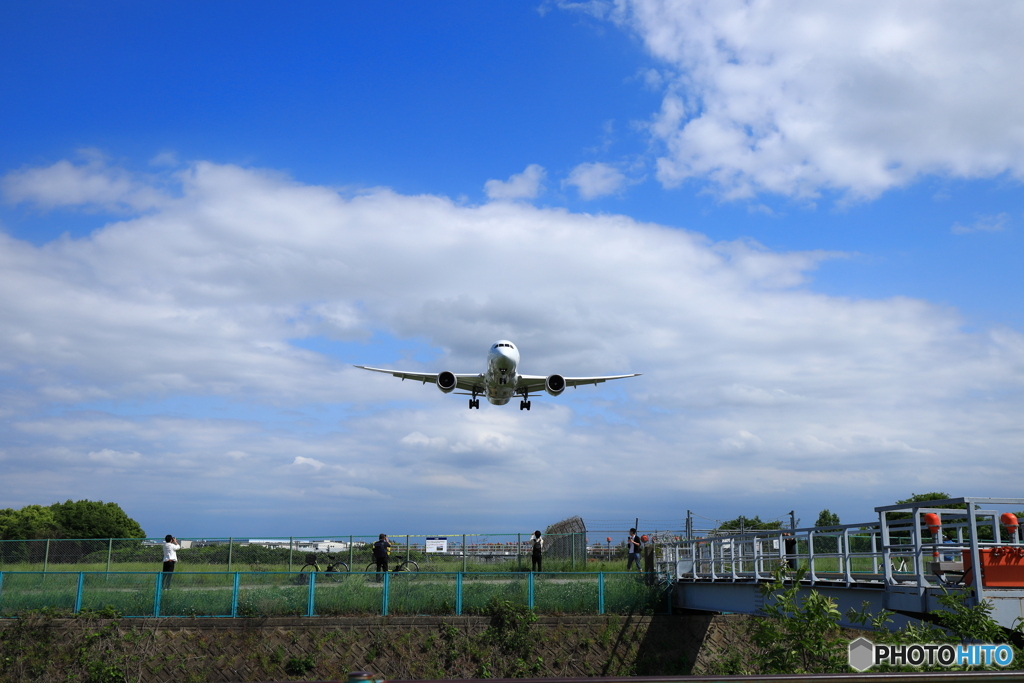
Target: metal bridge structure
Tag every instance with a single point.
(903, 562)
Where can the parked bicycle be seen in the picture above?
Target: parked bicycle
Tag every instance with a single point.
(400, 566)
(329, 566)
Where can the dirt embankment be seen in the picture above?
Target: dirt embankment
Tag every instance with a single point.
(200, 650)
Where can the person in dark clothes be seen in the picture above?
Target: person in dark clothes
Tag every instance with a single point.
(538, 549)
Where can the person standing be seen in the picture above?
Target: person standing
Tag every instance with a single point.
(633, 550)
(538, 550)
(789, 541)
(648, 553)
(381, 550)
(171, 548)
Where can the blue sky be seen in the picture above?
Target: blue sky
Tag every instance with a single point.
(802, 223)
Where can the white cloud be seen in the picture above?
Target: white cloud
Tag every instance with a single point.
(421, 440)
(310, 464)
(525, 185)
(996, 223)
(112, 457)
(179, 335)
(92, 183)
(595, 180)
(858, 96)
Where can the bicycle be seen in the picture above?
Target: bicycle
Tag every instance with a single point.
(331, 568)
(400, 566)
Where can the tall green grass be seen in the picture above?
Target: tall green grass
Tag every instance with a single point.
(287, 594)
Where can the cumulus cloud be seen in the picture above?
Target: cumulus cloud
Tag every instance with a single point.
(209, 343)
(525, 185)
(91, 182)
(594, 180)
(860, 97)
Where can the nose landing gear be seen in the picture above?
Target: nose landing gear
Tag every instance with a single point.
(525, 403)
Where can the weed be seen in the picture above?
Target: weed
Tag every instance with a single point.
(798, 636)
(297, 666)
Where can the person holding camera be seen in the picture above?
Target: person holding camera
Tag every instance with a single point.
(171, 548)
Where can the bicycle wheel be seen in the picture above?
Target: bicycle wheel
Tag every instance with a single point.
(371, 568)
(407, 566)
(335, 571)
(304, 573)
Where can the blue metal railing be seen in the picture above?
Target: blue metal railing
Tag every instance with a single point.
(244, 594)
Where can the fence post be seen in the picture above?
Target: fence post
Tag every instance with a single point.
(46, 556)
(234, 597)
(312, 594)
(230, 546)
(463, 552)
(572, 541)
(519, 547)
(110, 549)
(158, 593)
(384, 594)
(458, 594)
(291, 551)
(529, 590)
(78, 597)
(407, 547)
(600, 592)
(351, 557)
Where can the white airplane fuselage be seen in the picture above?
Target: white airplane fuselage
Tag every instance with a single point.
(501, 377)
(500, 381)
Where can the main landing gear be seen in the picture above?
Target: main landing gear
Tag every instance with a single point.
(525, 403)
(474, 402)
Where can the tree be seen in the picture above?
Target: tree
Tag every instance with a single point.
(922, 498)
(827, 518)
(31, 521)
(78, 519)
(95, 519)
(925, 497)
(742, 523)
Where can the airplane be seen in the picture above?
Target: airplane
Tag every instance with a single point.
(500, 382)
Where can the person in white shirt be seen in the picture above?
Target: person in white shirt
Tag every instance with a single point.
(633, 550)
(171, 548)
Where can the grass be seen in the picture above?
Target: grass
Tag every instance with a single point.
(287, 594)
(445, 563)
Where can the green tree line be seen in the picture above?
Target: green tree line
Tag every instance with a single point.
(70, 519)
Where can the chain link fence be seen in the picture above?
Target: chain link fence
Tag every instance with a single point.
(452, 552)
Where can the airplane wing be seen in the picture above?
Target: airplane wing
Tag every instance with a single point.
(535, 383)
(466, 382)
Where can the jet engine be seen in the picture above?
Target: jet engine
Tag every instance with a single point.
(446, 382)
(554, 384)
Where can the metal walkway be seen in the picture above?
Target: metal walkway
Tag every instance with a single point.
(903, 562)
